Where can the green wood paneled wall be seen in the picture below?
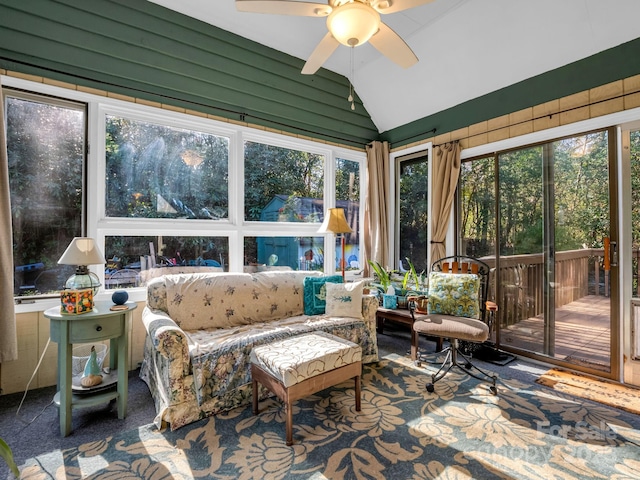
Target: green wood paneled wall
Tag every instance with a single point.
(137, 48)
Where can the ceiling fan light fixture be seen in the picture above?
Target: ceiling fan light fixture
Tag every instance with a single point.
(353, 24)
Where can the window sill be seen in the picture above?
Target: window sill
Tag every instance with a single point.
(40, 305)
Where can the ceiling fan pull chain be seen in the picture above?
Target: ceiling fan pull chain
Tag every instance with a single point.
(350, 97)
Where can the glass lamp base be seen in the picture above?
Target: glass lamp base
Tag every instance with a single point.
(81, 281)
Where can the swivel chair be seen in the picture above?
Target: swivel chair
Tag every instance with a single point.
(458, 310)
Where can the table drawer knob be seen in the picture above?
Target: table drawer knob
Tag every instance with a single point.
(98, 328)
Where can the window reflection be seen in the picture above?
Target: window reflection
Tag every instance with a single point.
(283, 253)
(132, 261)
(158, 171)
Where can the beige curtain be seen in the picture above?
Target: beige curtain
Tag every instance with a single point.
(446, 170)
(8, 339)
(376, 205)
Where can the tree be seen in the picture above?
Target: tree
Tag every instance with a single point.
(45, 147)
(413, 215)
(271, 171)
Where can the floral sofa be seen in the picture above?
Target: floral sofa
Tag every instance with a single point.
(202, 327)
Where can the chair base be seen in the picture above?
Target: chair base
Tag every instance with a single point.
(453, 352)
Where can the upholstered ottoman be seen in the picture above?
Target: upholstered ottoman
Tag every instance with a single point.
(299, 366)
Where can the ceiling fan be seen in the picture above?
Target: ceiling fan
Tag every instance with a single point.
(350, 22)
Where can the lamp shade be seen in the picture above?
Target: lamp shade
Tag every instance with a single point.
(335, 222)
(352, 24)
(82, 251)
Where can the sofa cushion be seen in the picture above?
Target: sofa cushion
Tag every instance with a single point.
(221, 358)
(223, 300)
(315, 293)
(344, 299)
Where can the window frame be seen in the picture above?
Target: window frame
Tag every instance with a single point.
(409, 154)
(71, 105)
(235, 228)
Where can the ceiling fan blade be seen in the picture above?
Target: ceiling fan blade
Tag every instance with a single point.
(284, 7)
(393, 6)
(320, 55)
(389, 43)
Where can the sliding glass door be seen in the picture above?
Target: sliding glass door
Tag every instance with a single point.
(556, 249)
(555, 257)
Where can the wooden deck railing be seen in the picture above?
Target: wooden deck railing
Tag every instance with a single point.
(578, 273)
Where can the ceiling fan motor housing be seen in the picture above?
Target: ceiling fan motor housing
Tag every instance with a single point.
(353, 24)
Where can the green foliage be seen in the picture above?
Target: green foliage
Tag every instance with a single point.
(45, 147)
(578, 189)
(7, 455)
(146, 162)
(383, 276)
(271, 171)
(412, 209)
(478, 196)
(347, 180)
(635, 186)
(412, 273)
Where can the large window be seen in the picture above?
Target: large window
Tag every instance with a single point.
(158, 171)
(413, 218)
(282, 184)
(347, 182)
(134, 260)
(634, 159)
(477, 200)
(45, 146)
(165, 192)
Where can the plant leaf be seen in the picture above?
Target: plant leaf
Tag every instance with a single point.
(5, 452)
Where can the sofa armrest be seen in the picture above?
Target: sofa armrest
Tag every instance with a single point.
(169, 340)
(369, 308)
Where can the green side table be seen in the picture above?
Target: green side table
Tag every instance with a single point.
(98, 325)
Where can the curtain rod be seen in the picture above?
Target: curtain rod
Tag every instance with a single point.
(549, 115)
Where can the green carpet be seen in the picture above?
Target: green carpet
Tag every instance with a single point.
(402, 432)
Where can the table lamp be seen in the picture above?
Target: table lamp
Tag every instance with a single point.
(336, 223)
(82, 251)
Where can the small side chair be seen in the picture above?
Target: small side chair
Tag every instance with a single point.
(458, 310)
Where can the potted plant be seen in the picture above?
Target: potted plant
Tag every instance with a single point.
(417, 279)
(383, 276)
(401, 293)
(5, 453)
(405, 289)
(384, 284)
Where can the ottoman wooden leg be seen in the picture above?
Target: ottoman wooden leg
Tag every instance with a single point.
(358, 401)
(289, 426)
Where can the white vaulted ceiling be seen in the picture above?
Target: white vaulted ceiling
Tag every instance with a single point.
(466, 48)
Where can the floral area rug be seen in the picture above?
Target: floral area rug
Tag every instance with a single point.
(609, 393)
(460, 431)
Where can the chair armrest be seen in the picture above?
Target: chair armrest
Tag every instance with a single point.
(491, 306)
